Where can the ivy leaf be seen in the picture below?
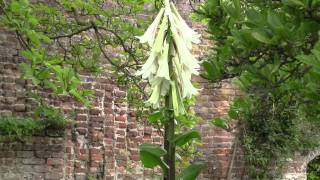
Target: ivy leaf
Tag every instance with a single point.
(183, 138)
(150, 155)
(219, 122)
(191, 172)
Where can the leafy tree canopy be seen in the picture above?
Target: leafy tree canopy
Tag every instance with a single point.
(272, 50)
(63, 39)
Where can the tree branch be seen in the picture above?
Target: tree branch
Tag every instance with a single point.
(73, 33)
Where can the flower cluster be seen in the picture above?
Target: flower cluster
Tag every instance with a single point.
(170, 39)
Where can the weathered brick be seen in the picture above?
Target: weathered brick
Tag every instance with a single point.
(55, 161)
(33, 161)
(25, 154)
(53, 176)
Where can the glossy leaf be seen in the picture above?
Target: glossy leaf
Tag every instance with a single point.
(219, 122)
(261, 36)
(151, 154)
(191, 172)
(183, 138)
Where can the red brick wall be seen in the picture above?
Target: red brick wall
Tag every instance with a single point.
(103, 141)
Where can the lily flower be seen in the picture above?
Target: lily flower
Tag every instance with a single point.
(163, 70)
(177, 101)
(184, 54)
(172, 42)
(149, 35)
(160, 87)
(188, 34)
(151, 65)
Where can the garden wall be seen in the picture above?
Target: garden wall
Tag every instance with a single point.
(296, 168)
(102, 143)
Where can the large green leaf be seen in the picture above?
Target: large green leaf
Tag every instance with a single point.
(183, 138)
(212, 70)
(310, 60)
(232, 8)
(261, 36)
(191, 172)
(156, 116)
(150, 155)
(220, 122)
(274, 20)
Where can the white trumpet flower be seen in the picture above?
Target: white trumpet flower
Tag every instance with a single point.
(170, 65)
(189, 34)
(163, 70)
(150, 34)
(151, 66)
(184, 54)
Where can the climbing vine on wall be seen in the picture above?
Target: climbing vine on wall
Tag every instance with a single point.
(272, 51)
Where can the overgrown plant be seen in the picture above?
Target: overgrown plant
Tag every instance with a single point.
(19, 129)
(272, 50)
(168, 70)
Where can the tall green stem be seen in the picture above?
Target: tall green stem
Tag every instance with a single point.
(169, 147)
(169, 124)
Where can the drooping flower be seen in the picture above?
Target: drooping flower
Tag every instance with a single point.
(171, 40)
(150, 67)
(190, 36)
(163, 70)
(150, 34)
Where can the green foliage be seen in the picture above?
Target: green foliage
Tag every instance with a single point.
(191, 172)
(53, 118)
(186, 140)
(62, 39)
(313, 170)
(183, 138)
(156, 116)
(40, 26)
(19, 129)
(271, 49)
(220, 122)
(151, 154)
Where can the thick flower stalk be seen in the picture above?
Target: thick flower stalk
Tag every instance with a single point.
(170, 39)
